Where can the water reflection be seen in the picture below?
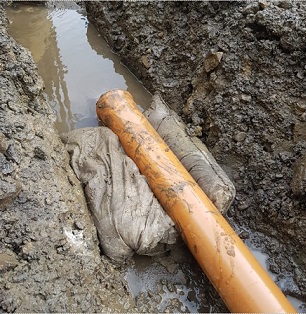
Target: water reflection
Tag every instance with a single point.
(75, 62)
(141, 95)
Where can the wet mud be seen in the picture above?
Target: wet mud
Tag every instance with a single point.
(236, 72)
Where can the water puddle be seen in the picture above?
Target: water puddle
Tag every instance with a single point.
(172, 284)
(281, 280)
(262, 259)
(297, 304)
(75, 63)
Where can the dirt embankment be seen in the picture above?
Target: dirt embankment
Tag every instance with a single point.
(49, 254)
(236, 72)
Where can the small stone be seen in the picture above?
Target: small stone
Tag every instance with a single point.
(79, 224)
(19, 126)
(246, 98)
(7, 262)
(243, 206)
(194, 130)
(48, 201)
(3, 143)
(157, 52)
(285, 5)
(8, 286)
(299, 131)
(212, 61)
(170, 83)
(298, 183)
(39, 153)
(145, 61)
(22, 198)
(300, 107)
(13, 153)
(300, 75)
(240, 136)
(9, 190)
(235, 100)
(39, 134)
(12, 106)
(119, 42)
(26, 249)
(151, 294)
(262, 4)
(252, 8)
(213, 76)
(279, 176)
(244, 235)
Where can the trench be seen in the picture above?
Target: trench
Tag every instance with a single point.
(77, 66)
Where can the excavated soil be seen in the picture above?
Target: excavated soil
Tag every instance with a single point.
(236, 72)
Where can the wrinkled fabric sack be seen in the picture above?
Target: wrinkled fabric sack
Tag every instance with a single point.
(126, 214)
(192, 153)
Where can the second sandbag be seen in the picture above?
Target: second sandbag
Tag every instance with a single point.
(192, 153)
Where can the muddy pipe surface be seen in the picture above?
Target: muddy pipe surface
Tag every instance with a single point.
(235, 273)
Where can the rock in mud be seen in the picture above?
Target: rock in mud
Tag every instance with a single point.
(7, 261)
(212, 61)
(298, 183)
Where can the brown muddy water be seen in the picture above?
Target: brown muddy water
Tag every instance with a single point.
(77, 66)
(75, 63)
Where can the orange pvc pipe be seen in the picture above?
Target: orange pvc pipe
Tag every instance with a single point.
(235, 273)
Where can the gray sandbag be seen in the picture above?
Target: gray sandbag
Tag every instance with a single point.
(192, 153)
(126, 214)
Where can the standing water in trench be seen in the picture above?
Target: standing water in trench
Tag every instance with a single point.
(75, 63)
(77, 66)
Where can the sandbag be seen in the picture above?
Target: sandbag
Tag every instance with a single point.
(126, 214)
(192, 153)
